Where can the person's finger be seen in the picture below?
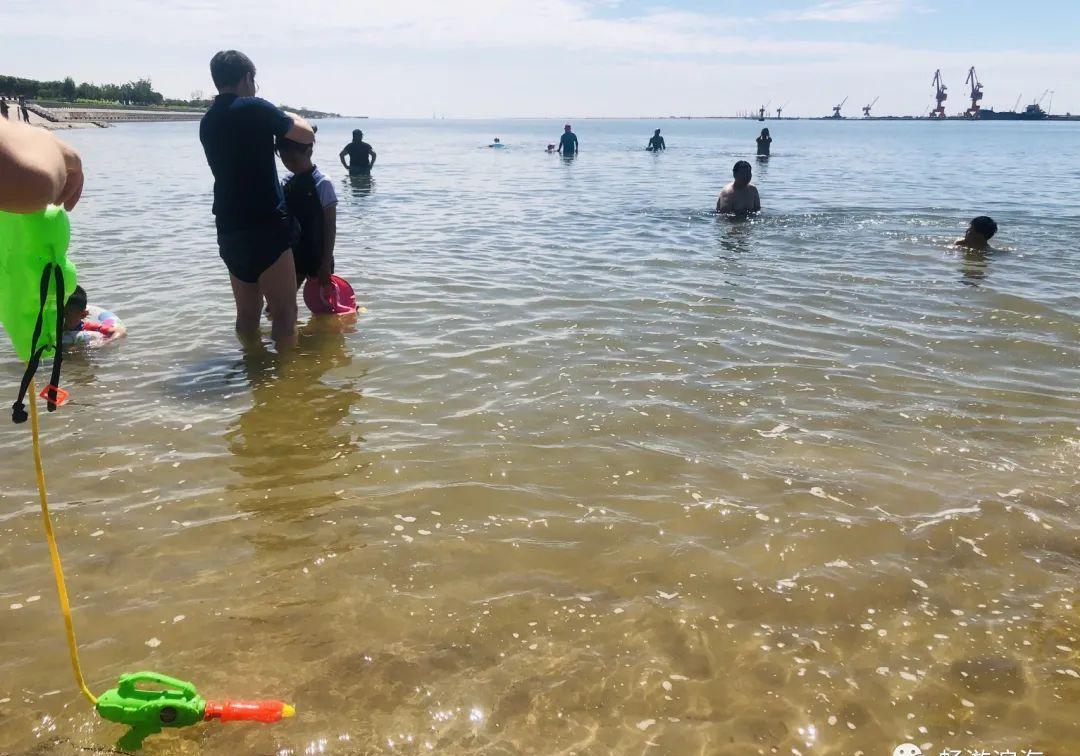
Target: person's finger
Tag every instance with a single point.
(72, 192)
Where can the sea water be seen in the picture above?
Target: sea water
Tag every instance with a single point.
(596, 471)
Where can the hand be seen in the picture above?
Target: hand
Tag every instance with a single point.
(73, 182)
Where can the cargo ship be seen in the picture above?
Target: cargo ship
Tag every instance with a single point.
(1032, 112)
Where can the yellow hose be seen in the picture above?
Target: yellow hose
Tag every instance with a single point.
(54, 552)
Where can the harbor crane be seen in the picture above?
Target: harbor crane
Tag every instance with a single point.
(780, 111)
(976, 93)
(941, 95)
(762, 109)
(836, 109)
(866, 109)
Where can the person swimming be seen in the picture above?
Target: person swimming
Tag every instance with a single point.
(740, 197)
(88, 324)
(764, 143)
(979, 233)
(497, 144)
(656, 143)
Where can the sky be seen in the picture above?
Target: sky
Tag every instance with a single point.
(565, 58)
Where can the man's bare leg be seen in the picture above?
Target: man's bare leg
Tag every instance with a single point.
(248, 308)
(278, 285)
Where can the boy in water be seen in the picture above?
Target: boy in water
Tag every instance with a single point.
(82, 321)
(740, 197)
(979, 233)
(312, 202)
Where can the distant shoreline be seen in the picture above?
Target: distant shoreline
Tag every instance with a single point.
(56, 116)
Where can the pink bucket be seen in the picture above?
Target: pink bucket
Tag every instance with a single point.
(337, 298)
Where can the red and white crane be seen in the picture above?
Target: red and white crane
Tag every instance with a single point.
(976, 93)
(941, 95)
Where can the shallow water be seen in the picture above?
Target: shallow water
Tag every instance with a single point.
(596, 472)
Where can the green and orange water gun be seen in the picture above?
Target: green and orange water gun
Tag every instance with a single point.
(174, 703)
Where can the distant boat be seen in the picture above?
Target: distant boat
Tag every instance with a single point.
(1031, 113)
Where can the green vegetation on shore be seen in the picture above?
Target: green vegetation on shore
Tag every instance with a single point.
(138, 94)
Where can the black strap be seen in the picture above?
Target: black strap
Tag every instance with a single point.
(58, 349)
(18, 409)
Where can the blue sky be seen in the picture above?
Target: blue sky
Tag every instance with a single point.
(562, 58)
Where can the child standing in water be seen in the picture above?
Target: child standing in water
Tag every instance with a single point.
(312, 202)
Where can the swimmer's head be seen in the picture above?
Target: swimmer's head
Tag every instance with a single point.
(232, 70)
(357, 135)
(984, 225)
(496, 140)
(566, 127)
(656, 133)
(979, 233)
(742, 173)
(765, 132)
(75, 309)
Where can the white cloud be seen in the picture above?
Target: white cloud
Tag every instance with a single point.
(852, 11)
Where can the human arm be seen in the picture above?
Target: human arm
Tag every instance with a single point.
(373, 156)
(342, 154)
(300, 131)
(329, 239)
(757, 200)
(37, 169)
(724, 203)
(328, 200)
(663, 144)
(577, 147)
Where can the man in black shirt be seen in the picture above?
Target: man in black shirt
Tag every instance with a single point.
(568, 144)
(254, 231)
(361, 156)
(656, 143)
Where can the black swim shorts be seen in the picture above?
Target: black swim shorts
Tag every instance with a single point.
(248, 252)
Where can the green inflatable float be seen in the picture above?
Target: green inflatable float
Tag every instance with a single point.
(36, 279)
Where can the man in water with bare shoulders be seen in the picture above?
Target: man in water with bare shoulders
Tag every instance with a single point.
(740, 197)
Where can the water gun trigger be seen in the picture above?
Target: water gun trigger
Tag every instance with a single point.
(132, 740)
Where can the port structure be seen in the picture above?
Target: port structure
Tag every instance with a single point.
(976, 93)
(867, 108)
(941, 95)
(836, 109)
